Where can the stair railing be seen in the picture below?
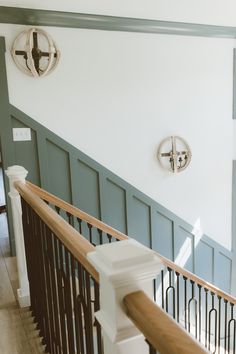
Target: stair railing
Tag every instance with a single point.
(64, 286)
(201, 308)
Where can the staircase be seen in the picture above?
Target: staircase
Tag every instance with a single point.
(64, 287)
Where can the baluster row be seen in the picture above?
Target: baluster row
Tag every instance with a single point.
(202, 312)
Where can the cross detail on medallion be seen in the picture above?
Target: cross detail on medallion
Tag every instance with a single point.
(37, 54)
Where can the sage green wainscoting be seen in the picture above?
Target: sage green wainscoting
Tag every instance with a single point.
(70, 174)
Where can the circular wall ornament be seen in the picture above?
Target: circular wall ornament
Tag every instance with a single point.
(174, 154)
(35, 53)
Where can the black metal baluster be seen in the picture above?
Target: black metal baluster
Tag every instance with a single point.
(226, 321)
(81, 306)
(231, 321)
(199, 312)
(34, 266)
(109, 238)
(162, 290)
(70, 218)
(68, 303)
(58, 209)
(211, 312)
(194, 301)
(100, 236)
(168, 290)
(219, 322)
(39, 283)
(61, 249)
(177, 285)
(88, 315)
(206, 315)
(57, 247)
(185, 302)
(97, 324)
(80, 225)
(90, 233)
(77, 328)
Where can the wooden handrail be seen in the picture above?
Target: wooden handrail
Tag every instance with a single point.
(120, 236)
(76, 212)
(74, 242)
(165, 335)
(197, 280)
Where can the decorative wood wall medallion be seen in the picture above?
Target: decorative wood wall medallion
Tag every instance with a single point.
(35, 53)
(174, 154)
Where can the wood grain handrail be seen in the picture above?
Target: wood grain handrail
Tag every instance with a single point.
(197, 280)
(120, 236)
(76, 212)
(165, 334)
(77, 245)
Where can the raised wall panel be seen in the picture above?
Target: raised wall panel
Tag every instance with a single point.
(139, 221)
(204, 261)
(162, 238)
(114, 208)
(88, 189)
(183, 248)
(26, 153)
(58, 171)
(223, 270)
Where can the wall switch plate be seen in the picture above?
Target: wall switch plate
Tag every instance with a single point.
(21, 134)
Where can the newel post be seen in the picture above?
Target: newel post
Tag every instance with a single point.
(124, 267)
(16, 173)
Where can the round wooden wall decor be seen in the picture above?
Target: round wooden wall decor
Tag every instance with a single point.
(35, 53)
(174, 154)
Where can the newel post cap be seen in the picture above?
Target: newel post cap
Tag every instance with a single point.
(125, 261)
(124, 267)
(16, 173)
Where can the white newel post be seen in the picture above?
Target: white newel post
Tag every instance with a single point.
(124, 267)
(16, 173)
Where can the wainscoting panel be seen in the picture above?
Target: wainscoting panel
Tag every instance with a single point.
(184, 248)
(67, 172)
(204, 254)
(163, 240)
(223, 270)
(114, 205)
(139, 220)
(58, 171)
(87, 186)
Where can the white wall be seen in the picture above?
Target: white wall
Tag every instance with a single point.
(116, 95)
(218, 12)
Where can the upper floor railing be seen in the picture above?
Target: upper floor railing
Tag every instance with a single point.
(64, 286)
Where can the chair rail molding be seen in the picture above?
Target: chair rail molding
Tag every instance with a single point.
(37, 17)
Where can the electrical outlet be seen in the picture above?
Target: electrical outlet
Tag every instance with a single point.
(21, 134)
